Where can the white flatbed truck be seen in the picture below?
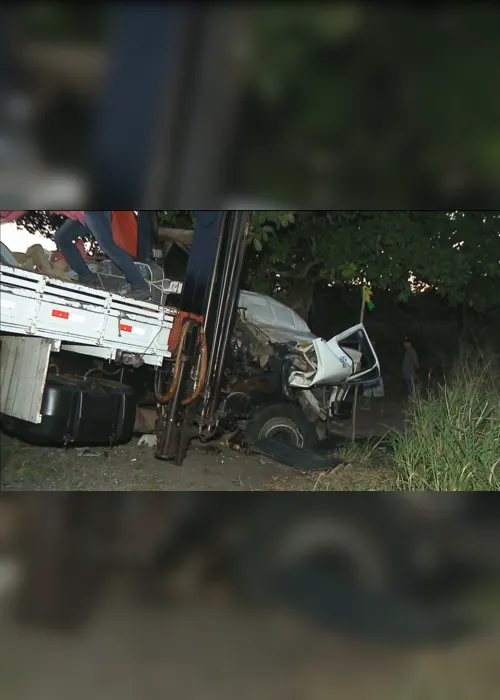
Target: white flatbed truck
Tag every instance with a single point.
(41, 315)
(186, 347)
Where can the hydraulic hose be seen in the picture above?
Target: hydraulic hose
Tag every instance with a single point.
(202, 339)
(165, 398)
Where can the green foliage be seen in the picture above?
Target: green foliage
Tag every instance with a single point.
(59, 21)
(265, 224)
(177, 219)
(456, 253)
(452, 442)
(352, 104)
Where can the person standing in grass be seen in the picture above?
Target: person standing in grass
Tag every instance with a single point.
(411, 367)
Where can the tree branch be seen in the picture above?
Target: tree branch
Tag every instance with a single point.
(295, 275)
(177, 235)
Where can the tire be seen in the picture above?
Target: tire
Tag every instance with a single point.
(284, 421)
(372, 598)
(358, 540)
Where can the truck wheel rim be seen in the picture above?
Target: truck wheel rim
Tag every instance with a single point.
(323, 534)
(287, 430)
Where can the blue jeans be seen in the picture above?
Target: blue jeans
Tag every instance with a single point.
(410, 386)
(99, 224)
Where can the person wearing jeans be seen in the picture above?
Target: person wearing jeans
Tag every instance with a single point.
(99, 224)
(78, 225)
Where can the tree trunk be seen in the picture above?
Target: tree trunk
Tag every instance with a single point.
(301, 301)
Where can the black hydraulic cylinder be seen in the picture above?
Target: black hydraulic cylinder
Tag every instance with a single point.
(221, 304)
(211, 290)
(171, 434)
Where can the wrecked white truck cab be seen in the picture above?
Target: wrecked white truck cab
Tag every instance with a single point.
(290, 374)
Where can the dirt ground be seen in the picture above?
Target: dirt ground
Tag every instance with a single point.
(212, 467)
(133, 468)
(214, 650)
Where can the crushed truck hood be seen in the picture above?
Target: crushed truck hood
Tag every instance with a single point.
(315, 361)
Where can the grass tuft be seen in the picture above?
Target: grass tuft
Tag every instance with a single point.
(452, 439)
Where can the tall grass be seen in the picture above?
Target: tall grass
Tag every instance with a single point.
(452, 438)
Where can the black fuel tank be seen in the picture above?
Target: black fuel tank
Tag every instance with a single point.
(82, 411)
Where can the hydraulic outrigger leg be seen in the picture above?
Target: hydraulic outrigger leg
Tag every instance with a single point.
(208, 313)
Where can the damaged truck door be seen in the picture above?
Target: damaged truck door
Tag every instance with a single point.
(336, 362)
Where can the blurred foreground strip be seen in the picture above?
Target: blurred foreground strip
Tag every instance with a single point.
(329, 106)
(393, 569)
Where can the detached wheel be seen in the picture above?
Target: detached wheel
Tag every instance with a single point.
(285, 422)
(342, 563)
(355, 544)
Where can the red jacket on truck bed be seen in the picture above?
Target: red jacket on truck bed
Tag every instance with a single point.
(124, 226)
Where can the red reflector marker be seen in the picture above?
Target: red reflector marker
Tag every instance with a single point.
(60, 314)
(125, 329)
